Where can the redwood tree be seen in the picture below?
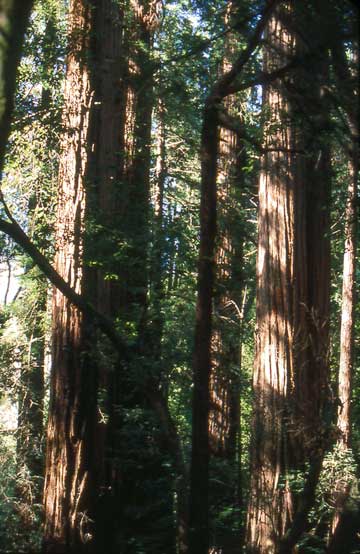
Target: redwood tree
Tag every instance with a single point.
(290, 373)
(70, 479)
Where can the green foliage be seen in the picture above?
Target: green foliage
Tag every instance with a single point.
(188, 52)
(20, 521)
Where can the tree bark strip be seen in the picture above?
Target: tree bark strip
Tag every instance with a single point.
(290, 374)
(70, 480)
(199, 498)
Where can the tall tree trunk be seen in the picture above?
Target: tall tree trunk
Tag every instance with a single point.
(347, 81)
(70, 479)
(127, 199)
(348, 306)
(199, 477)
(292, 310)
(224, 414)
(344, 525)
(342, 528)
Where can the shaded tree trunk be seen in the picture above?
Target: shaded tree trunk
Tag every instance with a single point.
(199, 485)
(224, 414)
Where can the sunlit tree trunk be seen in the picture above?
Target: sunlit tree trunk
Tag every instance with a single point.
(343, 528)
(292, 309)
(347, 80)
(348, 305)
(71, 476)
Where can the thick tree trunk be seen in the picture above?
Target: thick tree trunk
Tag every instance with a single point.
(292, 314)
(70, 480)
(271, 507)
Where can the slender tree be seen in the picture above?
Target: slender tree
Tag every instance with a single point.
(224, 411)
(347, 80)
(343, 528)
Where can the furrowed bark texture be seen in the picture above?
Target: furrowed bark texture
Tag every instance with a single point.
(69, 491)
(224, 390)
(292, 312)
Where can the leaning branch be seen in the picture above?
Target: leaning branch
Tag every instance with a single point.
(13, 230)
(222, 86)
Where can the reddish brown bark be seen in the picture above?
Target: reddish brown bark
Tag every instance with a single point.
(290, 373)
(69, 479)
(224, 389)
(224, 413)
(199, 475)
